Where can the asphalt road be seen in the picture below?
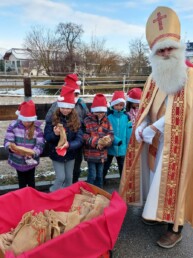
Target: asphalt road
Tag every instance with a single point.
(137, 240)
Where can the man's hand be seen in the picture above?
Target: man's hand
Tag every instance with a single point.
(139, 130)
(148, 134)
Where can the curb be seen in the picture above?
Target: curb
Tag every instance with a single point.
(44, 185)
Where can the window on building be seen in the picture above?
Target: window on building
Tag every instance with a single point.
(18, 63)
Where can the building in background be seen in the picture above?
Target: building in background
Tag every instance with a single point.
(189, 51)
(16, 61)
(2, 53)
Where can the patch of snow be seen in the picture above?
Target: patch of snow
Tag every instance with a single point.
(21, 92)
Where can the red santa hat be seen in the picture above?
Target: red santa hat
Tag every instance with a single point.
(17, 112)
(99, 103)
(27, 111)
(72, 81)
(66, 98)
(118, 97)
(134, 95)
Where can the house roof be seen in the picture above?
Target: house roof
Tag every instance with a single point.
(2, 52)
(19, 53)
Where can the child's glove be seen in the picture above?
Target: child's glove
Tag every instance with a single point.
(61, 150)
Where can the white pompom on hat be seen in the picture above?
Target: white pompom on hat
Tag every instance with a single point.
(134, 95)
(118, 97)
(99, 103)
(27, 111)
(71, 80)
(17, 112)
(66, 98)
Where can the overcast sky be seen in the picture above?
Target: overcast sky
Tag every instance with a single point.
(117, 22)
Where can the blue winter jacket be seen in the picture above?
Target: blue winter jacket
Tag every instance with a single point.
(122, 127)
(75, 140)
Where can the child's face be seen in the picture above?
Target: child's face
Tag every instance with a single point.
(119, 106)
(27, 124)
(134, 105)
(65, 111)
(100, 115)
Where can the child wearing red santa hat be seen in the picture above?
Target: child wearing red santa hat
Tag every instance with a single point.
(122, 128)
(133, 100)
(72, 81)
(97, 137)
(25, 142)
(64, 134)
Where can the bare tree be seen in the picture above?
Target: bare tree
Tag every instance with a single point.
(69, 38)
(97, 60)
(44, 47)
(137, 61)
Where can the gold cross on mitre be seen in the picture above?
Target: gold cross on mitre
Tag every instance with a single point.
(162, 24)
(159, 20)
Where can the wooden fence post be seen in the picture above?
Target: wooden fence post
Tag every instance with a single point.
(124, 79)
(27, 88)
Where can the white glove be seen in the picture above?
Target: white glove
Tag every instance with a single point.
(138, 131)
(148, 134)
(159, 124)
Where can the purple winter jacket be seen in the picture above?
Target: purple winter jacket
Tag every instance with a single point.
(17, 133)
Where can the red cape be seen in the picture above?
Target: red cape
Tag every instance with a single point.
(188, 63)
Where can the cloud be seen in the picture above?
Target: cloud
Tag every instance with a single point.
(47, 13)
(51, 13)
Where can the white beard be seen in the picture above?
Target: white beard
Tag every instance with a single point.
(169, 74)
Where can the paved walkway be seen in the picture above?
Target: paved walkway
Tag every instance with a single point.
(137, 240)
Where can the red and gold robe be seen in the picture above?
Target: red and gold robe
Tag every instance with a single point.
(175, 202)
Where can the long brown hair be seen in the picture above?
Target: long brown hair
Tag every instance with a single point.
(31, 130)
(72, 119)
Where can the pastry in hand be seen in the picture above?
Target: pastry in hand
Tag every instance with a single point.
(23, 151)
(105, 141)
(63, 137)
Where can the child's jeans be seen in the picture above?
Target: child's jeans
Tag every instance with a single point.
(64, 172)
(95, 174)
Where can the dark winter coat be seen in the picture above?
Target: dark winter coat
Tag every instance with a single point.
(75, 140)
